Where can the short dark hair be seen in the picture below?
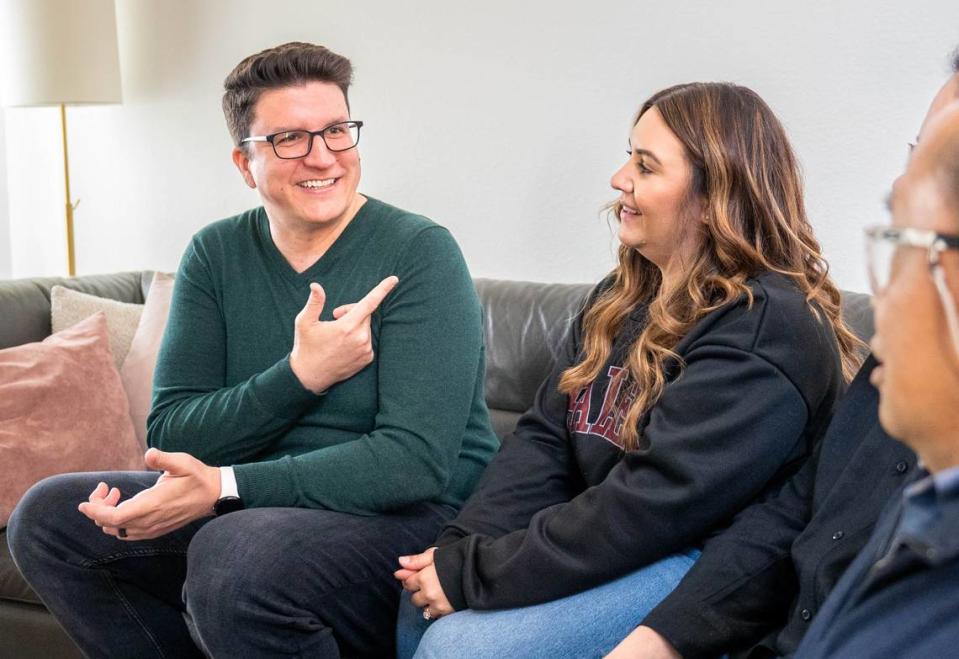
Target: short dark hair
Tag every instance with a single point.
(293, 63)
(955, 60)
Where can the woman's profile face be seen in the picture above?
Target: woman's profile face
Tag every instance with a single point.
(657, 216)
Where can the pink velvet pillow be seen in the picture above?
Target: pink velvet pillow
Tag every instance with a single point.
(137, 371)
(62, 409)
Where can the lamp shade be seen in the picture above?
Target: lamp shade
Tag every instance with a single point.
(58, 51)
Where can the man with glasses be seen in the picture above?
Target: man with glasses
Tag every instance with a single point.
(302, 448)
(759, 584)
(898, 598)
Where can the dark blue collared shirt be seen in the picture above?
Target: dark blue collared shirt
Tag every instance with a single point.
(900, 597)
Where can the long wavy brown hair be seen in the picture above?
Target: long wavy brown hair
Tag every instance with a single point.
(747, 178)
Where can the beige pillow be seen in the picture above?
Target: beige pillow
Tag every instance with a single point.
(137, 371)
(69, 307)
(62, 409)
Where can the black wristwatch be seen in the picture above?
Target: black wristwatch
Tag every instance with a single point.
(226, 505)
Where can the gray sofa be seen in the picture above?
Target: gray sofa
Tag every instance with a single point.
(525, 323)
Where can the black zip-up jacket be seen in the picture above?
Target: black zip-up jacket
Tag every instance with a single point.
(562, 508)
(761, 581)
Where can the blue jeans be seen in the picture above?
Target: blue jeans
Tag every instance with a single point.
(262, 582)
(588, 624)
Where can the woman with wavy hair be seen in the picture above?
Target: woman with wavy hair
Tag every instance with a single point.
(698, 375)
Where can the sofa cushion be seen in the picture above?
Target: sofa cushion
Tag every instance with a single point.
(525, 325)
(12, 584)
(137, 370)
(62, 409)
(28, 631)
(26, 302)
(503, 421)
(857, 312)
(69, 307)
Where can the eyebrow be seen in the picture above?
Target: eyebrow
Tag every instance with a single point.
(331, 123)
(647, 153)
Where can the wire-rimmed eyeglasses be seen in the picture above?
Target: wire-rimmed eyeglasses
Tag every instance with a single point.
(882, 245)
(293, 144)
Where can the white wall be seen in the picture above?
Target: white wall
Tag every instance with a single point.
(5, 268)
(501, 120)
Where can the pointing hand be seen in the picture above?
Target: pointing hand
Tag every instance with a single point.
(329, 351)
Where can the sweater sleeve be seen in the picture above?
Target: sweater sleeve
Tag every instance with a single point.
(428, 356)
(719, 433)
(191, 398)
(533, 469)
(742, 585)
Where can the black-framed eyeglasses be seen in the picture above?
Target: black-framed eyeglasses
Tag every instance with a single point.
(293, 144)
(882, 246)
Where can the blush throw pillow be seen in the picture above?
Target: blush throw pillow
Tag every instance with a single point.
(62, 409)
(68, 307)
(137, 371)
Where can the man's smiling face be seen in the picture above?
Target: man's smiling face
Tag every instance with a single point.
(318, 190)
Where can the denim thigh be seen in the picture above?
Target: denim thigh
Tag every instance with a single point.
(302, 582)
(587, 624)
(113, 597)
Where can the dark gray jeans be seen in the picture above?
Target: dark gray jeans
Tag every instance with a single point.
(264, 582)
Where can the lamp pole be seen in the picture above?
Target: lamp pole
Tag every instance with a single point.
(71, 254)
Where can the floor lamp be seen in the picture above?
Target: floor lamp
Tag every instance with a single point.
(59, 52)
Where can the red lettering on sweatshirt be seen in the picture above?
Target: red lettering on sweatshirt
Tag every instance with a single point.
(619, 396)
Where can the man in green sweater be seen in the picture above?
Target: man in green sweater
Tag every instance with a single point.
(337, 435)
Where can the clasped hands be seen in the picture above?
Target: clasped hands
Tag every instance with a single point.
(184, 492)
(418, 575)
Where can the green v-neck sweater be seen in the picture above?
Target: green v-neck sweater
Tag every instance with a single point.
(412, 426)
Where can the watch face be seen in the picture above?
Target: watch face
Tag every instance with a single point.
(227, 505)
